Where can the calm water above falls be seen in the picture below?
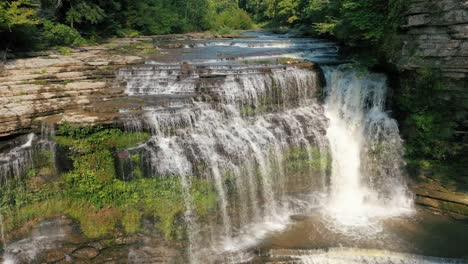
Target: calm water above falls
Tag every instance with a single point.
(297, 180)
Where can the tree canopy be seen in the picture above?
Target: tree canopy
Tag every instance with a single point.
(23, 22)
(37, 24)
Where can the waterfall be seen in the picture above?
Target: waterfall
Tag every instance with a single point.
(230, 125)
(367, 178)
(15, 161)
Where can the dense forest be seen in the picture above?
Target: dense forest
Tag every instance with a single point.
(34, 24)
(369, 25)
(37, 24)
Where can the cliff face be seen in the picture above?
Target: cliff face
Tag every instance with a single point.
(433, 61)
(439, 33)
(436, 44)
(437, 37)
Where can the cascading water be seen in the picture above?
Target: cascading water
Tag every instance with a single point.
(358, 256)
(243, 120)
(367, 179)
(268, 150)
(14, 162)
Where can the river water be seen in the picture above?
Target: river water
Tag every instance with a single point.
(306, 162)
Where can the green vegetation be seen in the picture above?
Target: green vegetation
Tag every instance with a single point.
(42, 24)
(431, 116)
(233, 18)
(303, 159)
(92, 194)
(39, 24)
(351, 21)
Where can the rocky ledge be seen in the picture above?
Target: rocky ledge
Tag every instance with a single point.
(64, 83)
(431, 194)
(437, 33)
(58, 240)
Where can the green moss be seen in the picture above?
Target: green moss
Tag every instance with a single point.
(454, 208)
(65, 51)
(99, 209)
(93, 195)
(136, 169)
(247, 111)
(99, 223)
(205, 198)
(303, 159)
(131, 220)
(88, 139)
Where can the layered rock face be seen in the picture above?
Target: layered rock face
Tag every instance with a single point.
(437, 38)
(66, 86)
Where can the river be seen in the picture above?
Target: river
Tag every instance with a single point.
(306, 161)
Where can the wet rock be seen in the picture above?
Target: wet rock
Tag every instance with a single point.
(54, 256)
(436, 33)
(86, 252)
(432, 195)
(58, 241)
(299, 218)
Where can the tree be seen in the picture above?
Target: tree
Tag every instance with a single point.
(85, 12)
(17, 13)
(288, 10)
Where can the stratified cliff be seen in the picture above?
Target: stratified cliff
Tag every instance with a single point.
(433, 68)
(69, 87)
(433, 100)
(437, 33)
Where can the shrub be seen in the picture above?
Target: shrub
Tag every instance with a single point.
(66, 51)
(56, 34)
(430, 120)
(92, 195)
(234, 18)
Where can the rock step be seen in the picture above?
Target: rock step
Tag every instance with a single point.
(432, 195)
(32, 89)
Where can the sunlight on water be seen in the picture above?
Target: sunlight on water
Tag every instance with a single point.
(358, 256)
(363, 142)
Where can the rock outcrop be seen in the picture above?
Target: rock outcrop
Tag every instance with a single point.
(431, 194)
(437, 38)
(435, 34)
(65, 85)
(58, 240)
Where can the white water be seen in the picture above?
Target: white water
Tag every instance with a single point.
(200, 127)
(48, 235)
(16, 161)
(216, 140)
(366, 183)
(358, 256)
(367, 180)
